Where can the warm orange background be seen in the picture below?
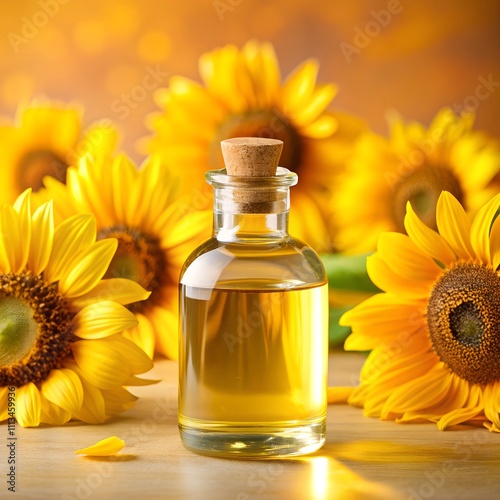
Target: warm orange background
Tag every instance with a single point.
(429, 54)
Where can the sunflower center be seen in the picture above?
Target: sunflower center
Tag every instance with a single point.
(36, 329)
(422, 188)
(138, 258)
(463, 316)
(268, 123)
(35, 165)
(18, 330)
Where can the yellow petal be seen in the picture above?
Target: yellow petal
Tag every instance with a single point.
(121, 290)
(22, 204)
(405, 259)
(63, 387)
(56, 190)
(472, 408)
(187, 228)
(456, 397)
(318, 103)
(300, 86)
(386, 279)
(143, 335)
(103, 319)
(81, 199)
(492, 403)
(12, 246)
(454, 225)
(28, 405)
(381, 318)
(491, 427)
(99, 138)
(42, 236)
(427, 240)
(51, 124)
(110, 362)
(137, 360)
(420, 393)
(388, 371)
(480, 230)
(117, 400)
(458, 416)
(82, 182)
(104, 448)
(70, 237)
(191, 96)
(123, 173)
(53, 414)
(321, 128)
(337, 395)
(136, 381)
(165, 323)
(5, 266)
(266, 70)
(90, 268)
(99, 362)
(3, 403)
(23, 208)
(217, 70)
(92, 410)
(495, 244)
(386, 362)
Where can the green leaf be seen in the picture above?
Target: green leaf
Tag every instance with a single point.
(348, 272)
(338, 334)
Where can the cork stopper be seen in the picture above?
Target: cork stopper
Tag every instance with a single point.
(251, 156)
(256, 158)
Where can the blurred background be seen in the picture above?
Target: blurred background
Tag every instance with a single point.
(412, 55)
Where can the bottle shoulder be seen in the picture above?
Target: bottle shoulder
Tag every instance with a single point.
(287, 262)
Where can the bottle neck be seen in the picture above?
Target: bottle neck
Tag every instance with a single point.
(250, 227)
(250, 209)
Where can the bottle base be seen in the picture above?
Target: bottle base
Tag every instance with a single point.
(252, 441)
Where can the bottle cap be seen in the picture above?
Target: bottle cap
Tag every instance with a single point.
(251, 156)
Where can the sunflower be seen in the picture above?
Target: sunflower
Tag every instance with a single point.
(435, 332)
(44, 140)
(62, 354)
(414, 165)
(243, 96)
(156, 231)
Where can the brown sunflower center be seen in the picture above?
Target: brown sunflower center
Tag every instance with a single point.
(422, 188)
(463, 316)
(268, 123)
(36, 329)
(140, 258)
(35, 165)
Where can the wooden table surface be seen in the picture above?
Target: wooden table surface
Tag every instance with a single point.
(362, 459)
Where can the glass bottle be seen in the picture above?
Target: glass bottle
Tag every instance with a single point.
(253, 341)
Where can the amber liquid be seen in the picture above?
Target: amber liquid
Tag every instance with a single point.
(253, 365)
